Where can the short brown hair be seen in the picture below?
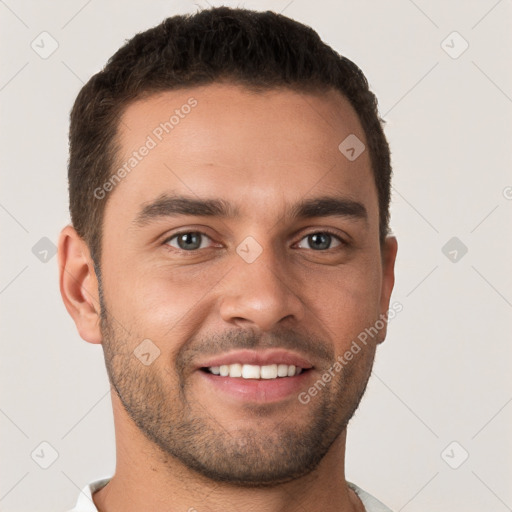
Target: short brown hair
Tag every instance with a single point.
(259, 50)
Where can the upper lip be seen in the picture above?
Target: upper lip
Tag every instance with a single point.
(260, 358)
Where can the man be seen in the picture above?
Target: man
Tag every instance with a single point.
(229, 189)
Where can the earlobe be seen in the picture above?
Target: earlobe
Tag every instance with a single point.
(79, 285)
(389, 251)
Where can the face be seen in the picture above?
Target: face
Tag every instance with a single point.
(241, 242)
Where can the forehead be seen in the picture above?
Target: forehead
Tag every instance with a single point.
(258, 149)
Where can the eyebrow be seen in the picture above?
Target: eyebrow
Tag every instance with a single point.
(174, 205)
(329, 207)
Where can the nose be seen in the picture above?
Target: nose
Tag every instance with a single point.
(261, 294)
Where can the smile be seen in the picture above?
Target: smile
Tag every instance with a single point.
(253, 371)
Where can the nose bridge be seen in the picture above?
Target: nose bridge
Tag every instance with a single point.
(259, 289)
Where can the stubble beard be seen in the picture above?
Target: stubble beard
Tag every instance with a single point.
(185, 431)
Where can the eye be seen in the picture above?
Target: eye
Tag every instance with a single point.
(188, 240)
(321, 241)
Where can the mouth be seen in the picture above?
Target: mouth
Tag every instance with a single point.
(253, 371)
(256, 376)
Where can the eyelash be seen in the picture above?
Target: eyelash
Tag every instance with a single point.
(343, 243)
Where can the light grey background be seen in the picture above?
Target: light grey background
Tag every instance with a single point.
(442, 375)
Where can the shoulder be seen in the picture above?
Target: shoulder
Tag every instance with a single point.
(371, 504)
(85, 502)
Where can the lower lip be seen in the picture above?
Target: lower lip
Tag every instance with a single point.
(258, 390)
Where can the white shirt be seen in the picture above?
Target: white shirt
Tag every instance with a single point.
(85, 503)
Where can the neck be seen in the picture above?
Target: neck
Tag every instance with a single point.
(146, 479)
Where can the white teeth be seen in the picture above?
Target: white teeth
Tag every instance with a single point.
(282, 370)
(235, 370)
(253, 371)
(269, 371)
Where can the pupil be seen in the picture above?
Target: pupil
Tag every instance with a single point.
(320, 240)
(189, 241)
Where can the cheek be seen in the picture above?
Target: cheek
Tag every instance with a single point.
(161, 303)
(345, 302)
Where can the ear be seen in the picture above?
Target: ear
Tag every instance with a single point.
(388, 258)
(79, 285)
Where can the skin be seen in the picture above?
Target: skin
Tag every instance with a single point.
(181, 444)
